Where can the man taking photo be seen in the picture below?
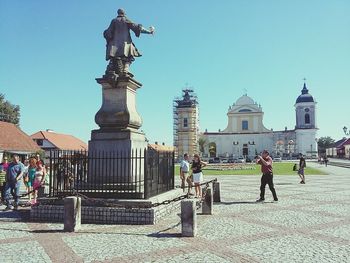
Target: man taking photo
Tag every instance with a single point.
(267, 178)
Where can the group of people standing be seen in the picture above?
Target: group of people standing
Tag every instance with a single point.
(32, 173)
(191, 173)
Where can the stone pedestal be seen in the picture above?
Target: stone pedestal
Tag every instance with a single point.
(188, 218)
(118, 110)
(207, 206)
(216, 192)
(118, 139)
(72, 214)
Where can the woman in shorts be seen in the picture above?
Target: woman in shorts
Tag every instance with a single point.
(197, 175)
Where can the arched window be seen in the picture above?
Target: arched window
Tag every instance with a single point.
(307, 118)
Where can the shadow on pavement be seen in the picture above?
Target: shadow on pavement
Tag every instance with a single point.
(245, 202)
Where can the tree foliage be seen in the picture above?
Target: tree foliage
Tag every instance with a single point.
(202, 142)
(325, 142)
(8, 111)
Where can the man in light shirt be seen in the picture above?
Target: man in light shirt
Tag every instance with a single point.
(184, 174)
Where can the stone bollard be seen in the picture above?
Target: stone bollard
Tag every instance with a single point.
(188, 218)
(216, 192)
(72, 213)
(207, 206)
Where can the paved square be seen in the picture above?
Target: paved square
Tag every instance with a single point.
(310, 223)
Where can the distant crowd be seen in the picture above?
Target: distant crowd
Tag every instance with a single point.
(32, 173)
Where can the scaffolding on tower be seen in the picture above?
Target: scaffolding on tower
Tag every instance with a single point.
(186, 123)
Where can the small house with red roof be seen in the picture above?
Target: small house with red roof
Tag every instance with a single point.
(343, 149)
(14, 140)
(49, 140)
(335, 149)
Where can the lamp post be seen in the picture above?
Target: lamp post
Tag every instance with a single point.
(311, 151)
(345, 129)
(250, 143)
(234, 146)
(290, 143)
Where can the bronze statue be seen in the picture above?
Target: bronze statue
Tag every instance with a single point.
(120, 50)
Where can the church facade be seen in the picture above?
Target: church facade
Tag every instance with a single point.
(246, 136)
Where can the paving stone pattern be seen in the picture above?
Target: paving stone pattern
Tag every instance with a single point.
(310, 223)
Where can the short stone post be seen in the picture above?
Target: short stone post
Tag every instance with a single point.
(72, 213)
(216, 192)
(188, 218)
(207, 206)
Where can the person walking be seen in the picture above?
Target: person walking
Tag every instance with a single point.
(267, 178)
(326, 160)
(197, 175)
(184, 174)
(14, 175)
(302, 165)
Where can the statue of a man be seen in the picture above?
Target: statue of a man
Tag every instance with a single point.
(121, 51)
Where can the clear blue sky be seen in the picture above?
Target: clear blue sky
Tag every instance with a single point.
(52, 51)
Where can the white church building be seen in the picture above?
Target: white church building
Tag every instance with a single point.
(246, 136)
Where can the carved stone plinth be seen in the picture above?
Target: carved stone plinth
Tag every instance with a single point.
(118, 135)
(118, 108)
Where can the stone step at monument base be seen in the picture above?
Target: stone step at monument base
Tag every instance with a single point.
(109, 194)
(111, 211)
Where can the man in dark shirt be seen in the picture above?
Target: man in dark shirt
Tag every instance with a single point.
(267, 178)
(302, 165)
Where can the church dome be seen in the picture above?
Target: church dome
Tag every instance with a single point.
(245, 100)
(305, 96)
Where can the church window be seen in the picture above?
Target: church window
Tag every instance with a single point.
(307, 110)
(185, 123)
(245, 110)
(244, 125)
(307, 118)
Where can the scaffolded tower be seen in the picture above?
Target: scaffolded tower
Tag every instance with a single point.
(186, 124)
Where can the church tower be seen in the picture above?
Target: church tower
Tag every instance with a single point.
(306, 128)
(186, 124)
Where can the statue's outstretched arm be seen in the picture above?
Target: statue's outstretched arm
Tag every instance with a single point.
(147, 31)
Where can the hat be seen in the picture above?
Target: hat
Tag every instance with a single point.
(121, 12)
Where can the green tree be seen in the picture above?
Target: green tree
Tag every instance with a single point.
(324, 142)
(202, 142)
(212, 149)
(8, 111)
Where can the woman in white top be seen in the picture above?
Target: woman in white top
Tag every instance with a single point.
(38, 181)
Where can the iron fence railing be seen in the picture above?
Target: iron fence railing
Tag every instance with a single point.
(138, 174)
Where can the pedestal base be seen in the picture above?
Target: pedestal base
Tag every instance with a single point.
(117, 160)
(111, 140)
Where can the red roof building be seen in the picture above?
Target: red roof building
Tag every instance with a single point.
(341, 152)
(14, 140)
(49, 140)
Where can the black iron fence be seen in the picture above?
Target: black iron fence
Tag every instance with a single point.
(139, 174)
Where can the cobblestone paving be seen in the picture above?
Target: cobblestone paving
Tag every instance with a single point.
(310, 223)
